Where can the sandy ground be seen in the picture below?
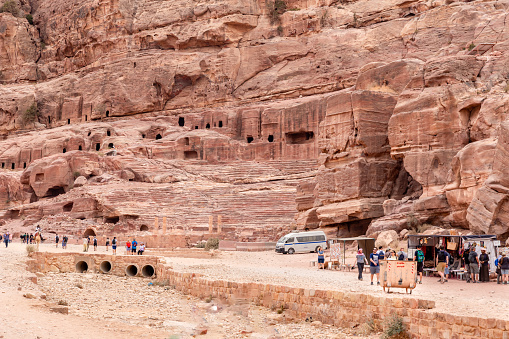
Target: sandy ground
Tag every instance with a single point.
(102, 306)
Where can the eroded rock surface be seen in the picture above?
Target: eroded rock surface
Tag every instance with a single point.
(227, 118)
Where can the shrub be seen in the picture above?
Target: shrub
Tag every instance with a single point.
(30, 249)
(212, 244)
(201, 244)
(76, 174)
(30, 19)
(471, 46)
(63, 303)
(395, 328)
(31, 114)
(10, 6)
(275, 9)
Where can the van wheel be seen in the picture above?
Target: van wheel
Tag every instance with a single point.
(291, 251)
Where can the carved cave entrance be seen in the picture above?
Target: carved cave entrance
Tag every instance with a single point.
(89, 233)
(299, 137)
(55, 191)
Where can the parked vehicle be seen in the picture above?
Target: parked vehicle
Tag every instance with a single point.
(301, 242)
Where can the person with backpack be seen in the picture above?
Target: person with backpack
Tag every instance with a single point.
(498, 269)
(504, 268)
(95, 243)
(56, 240)
(441, 263)
(134, 244)
(402, 256)
(419, 257)
(381, 254)
(114, 245)
(473, 258)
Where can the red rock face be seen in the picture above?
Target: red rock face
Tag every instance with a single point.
(235, 121)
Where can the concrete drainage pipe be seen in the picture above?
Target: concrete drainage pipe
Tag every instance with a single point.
(105, 266)
(81, 267)
(131, 270)
(148, 271)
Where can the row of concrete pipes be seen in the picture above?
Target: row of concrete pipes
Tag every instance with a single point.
(132, 270)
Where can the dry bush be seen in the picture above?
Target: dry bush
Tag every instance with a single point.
(31, 249)
(212, 244)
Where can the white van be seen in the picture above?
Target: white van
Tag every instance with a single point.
(301, 242)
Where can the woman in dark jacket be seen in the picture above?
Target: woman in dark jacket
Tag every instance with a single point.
(484, 260)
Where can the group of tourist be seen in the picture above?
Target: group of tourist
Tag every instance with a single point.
(132, 246)
(65, 239)
(476, 266)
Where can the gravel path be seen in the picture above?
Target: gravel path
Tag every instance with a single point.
(456, 296)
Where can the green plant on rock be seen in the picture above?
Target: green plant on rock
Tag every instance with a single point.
(471, 46)
(10, 6)
(395, 329)
(275, 9)
(31, 114)
(30, 19)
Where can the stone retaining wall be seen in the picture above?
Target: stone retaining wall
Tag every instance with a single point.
(342, 309)
(66, 262)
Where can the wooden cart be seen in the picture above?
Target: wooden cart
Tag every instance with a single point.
(398, 274)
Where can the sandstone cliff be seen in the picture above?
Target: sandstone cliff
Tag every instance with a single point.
(244, 119)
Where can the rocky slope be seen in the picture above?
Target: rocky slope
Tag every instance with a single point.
(248, 118)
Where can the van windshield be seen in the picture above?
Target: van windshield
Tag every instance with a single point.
(282, 239)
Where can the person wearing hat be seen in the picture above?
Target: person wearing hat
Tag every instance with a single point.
(504, 268)
(484, 261)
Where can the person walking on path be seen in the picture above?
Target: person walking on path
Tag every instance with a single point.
(64, 242)
(441, 264)
(321, 257)
(473, 258)
(361, 260)
(134, 244)
(504, 268)
(498, 269)
(95, 243)
(6, 239)
(85, 244)
(107, 244)
(380, 253)
(467, 264)
(56, 240)
(419, 257)
(374, 267)
(114, 245)
(127, 247)
(484, 260)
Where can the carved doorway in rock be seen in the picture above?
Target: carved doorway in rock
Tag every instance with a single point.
(89, 233)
